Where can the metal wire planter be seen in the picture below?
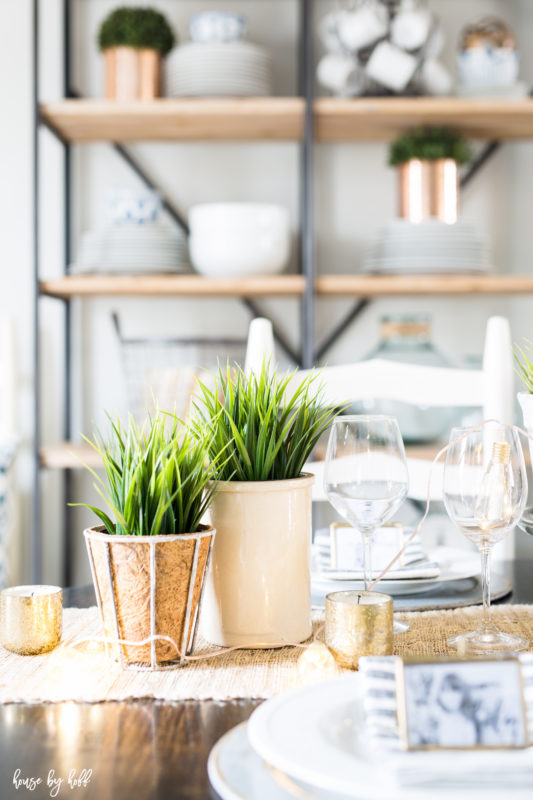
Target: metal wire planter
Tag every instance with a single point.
(149, 592)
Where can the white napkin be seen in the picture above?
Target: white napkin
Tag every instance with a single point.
(385, 544)
(447, 768)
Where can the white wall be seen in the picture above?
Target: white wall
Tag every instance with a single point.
(355, 195)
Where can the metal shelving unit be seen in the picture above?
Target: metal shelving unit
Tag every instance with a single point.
(303, 119)
(75, 119)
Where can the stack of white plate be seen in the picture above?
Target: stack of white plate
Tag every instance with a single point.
(133, 247)
(429, 246)
(227, 69)
(313, 742)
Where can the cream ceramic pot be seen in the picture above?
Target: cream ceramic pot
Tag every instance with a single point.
(258, 588)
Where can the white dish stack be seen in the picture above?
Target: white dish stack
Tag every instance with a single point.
(136, 240)
(217, 62)
(131, 248)
(233, 69)
(429, 246)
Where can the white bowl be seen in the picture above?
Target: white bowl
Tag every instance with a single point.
(236, 239)
(217, 26)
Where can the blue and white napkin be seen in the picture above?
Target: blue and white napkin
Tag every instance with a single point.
(337, 553)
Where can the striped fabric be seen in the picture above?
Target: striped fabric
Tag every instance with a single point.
(414, 562)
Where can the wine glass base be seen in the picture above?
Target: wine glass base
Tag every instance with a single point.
(492, 642)
(400, 626)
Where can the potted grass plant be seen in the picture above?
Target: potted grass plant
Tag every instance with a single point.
(149, 557)
(134, 40)
(258, 585)
(427, 161)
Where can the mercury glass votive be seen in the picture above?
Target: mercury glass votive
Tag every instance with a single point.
(31, 619)
(358, 624)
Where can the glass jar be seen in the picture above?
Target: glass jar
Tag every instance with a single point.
(407, 338)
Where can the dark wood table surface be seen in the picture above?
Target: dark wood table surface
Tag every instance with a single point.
(137, 750)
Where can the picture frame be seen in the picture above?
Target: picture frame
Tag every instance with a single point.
(461, 704)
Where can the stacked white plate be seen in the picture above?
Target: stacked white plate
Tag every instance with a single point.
(228, 69)
(133, 247)
(312, 742)
(429, 246)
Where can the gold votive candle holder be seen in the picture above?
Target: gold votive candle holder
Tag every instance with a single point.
(31, 619)
(358, 624)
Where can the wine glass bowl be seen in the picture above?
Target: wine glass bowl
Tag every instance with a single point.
(485, 491)
(526, 521)
(366, 478)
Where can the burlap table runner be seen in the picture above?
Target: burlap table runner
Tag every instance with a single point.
(85, 676)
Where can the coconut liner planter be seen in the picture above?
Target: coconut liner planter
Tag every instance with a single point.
(149, 586)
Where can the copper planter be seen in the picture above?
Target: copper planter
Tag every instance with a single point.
(132, 74)
(429, 190)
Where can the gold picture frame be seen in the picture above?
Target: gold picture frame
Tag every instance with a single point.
(461, 664)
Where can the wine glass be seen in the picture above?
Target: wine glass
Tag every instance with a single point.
(485, 491)
(366, 478)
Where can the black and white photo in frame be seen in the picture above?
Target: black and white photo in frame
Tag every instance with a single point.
(462, 704)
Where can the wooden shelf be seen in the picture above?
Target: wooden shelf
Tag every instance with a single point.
(184, 119)
(383, 119)
(426, 452)
(74, 455)
(403, 285)
(284, 285)
(173, 285)
(281, 118)
(69, 455)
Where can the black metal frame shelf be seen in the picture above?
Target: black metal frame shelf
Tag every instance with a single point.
(327, 126)
(307, 254)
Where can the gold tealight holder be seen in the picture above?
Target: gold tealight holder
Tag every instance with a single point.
(31, 619)
(358, 624)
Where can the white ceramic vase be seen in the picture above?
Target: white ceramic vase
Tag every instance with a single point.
(526, 403)
(258, 590)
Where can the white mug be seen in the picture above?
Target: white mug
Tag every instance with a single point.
(335, 71)
(410, 28)
(328, 32)
(362, 27)
(436, 78)
(391, 67)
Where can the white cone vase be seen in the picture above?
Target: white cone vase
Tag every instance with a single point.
(258, 590)
(260, 346)
(526, 403)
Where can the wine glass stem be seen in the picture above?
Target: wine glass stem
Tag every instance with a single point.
(367, 557)
(485, 586)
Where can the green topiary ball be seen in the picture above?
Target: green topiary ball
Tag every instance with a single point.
(136, 27)
(429, 144)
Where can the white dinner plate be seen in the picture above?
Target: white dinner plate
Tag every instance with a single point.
(236, 772)
(455, 565)
(316, 735)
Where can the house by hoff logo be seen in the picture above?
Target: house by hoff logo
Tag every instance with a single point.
(52, 782)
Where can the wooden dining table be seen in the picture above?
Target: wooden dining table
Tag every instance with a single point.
(131, 750)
